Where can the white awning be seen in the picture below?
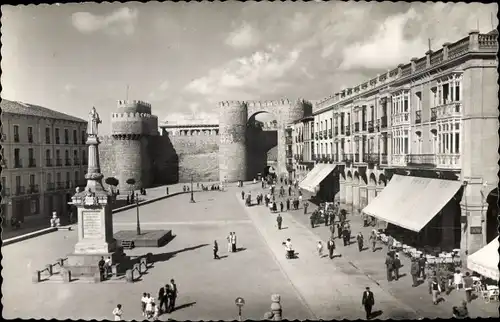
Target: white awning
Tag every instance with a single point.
(317, 174)
(411, 202)
(485, 261)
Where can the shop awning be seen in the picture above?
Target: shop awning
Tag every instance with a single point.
(411, 202)
(317, 174)
(485, 260)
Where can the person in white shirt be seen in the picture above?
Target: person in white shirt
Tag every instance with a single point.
(144, 300)
(458, 280)
(107, 266)
(156, 312)
(149, 306)
(320, 248)
(117, 312)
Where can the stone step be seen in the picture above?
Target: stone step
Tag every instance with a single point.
(83, 279)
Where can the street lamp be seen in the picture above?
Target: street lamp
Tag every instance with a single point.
(137, 216)
(192, 195)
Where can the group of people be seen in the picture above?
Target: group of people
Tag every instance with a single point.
(231, 245)
(104, 268)
(167, 296)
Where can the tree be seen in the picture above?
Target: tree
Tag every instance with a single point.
(111, 181)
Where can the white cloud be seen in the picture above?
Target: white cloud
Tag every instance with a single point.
(121, 21)
(263, 70)
(69, 87)
(164, 86)
(244, 37)
(387, 47)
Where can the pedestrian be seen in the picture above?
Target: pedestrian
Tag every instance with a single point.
(368, 302)
(373, 240)
(332, 218)
(173, 295)
(421, 265)
(287, 204)
(101, 265)
(216, 250)
(311, 219)
(161, 297)
(397, 266)
(435, 289)
(414, 270)
(468, 287)
(168, 296)
(243, 195)
(306, 205)
(230, 242)
(233, 243)
(319, 247)
(143, 303)
(389, 264)
(332, 230)
(279, 220)
(156, 311)
(326, 216)
(117, 312)
(458, 280)
(339, 230)
(149, 306)
(331, 247)
(281, 206)
(359, 239)
(345, 234)
(107, 267)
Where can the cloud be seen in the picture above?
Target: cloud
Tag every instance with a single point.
(121, 21)
(244, 37)
(69, 87)
(194, 114)
(262, 71)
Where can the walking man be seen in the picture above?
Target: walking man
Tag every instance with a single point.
(173, 295)
(339, 230)
(373, 240)
(287, 204)
(468, 287)
(359, 239)
(161, 298)
(389, 264)
(216, 250)
(243, 195)
(281, 206)
(279, 220)
(414, 272)
(101, 268)
(230, 242)
(368, 301)
(421, 266)
(233, 243)
(397, 266)
(331, 247)
(305, 207)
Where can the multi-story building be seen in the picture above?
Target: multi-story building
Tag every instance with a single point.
(303, 147)
(43, 160)
(433, 122)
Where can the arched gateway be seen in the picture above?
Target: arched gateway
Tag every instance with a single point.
(234, 159)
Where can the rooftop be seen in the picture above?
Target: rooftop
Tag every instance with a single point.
(15, 107)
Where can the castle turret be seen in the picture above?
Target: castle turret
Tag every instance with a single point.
(232, 146)
(131, 126)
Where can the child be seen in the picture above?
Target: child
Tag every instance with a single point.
(320, 248)
(117, 312)
(143, 304)
(156, 312)
(149, 306)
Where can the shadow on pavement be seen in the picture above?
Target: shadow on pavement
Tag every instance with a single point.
(183, 306)
(376, 314)
(222, 257)
(166, 256)
(240, 249)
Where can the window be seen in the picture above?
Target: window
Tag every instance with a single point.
(58, 177)
(32, 180)
(30, 134)
(58, 139)
(47, 157)
(18, 182)
(4, 183)
(34, 206)
(84, 160)
(84, 137)
(66, 136)
(16, 133)
(75, 137)
(17, 158)
(449, 137)
(66, 157)
(31, 158)
(47, 135)
(77, 177)
(418, 101)
(49, 177)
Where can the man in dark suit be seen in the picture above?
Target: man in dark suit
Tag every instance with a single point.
(368, 302)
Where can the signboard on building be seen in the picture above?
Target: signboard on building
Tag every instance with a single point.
(476, 230)
(476, 226)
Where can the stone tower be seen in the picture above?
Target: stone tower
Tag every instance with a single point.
(131, 127)
(232, 147)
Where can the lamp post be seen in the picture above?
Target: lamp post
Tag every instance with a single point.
(192, 195)
(137, 213)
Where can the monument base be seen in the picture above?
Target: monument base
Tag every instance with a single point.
(88, 264)
(147, 238)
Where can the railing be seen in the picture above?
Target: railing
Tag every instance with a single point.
(68, 161)
(18, 163)
(347, 157)
(356, 127)
(32, 163)
(76, 161)
(51, 186)
(30, 138)
(84, 161)
(448, 161)
(449, 110)
(421, 64)
(406, 71)
(289, 154)
(399, 160)
(321, 134)
(424, 160)
(363, 126)
(371, 158)
(330, 133)
(459, 48)
(19, 191)
(47, 140)
(383, 159)
(289, 167)
(324, 134)
(383, 122)
(401, 118)
(60, 185)
(370, 127)
(356, 157)
(433, 114)
(48, 162)
(316, 135)
(33, 188)
(67, 184)
(66, 140)
(58, 140)
(58, 162)
(347, 130)
(288, 140)
(418, 117)
(16, 138)
(436, 57)
(488, 41)
(314, 156)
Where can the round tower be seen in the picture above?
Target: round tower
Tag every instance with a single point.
(131, 126)
(232, 146)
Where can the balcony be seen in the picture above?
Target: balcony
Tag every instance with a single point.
(84, 161)
(401, 118)
(16, 138)
(377, 125)
(47, 140)
(336, 132)
(370, 127)
(449, 110)
(398, 160)
(68, 161)
(371, 158)
(76, 161)
(19, 191)
(324, 134)
(421, 160)
(60, 186)
(58, 140)
(48, 162)
(18, 163)
(449, 161)
(51, 186)
(5, 192)
(30, 138)
(330, 134)
(58, 162)
(289, 167)
(67, 184)
(33, 188)
(347, 158)
(418, 117)
(356, 157)
(347, 130)
(383, 159)
(75, 141)
(356, 127)
(321, 135)
(383, 122)
(433, 114)
(32, 163)
(66, 140)
(316, 135)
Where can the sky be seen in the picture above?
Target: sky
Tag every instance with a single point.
(184, 58)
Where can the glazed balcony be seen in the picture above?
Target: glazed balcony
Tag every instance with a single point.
(421, 160)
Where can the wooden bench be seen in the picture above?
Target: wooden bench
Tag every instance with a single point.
(127, 244)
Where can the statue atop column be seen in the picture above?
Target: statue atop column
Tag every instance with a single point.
(94, 121)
